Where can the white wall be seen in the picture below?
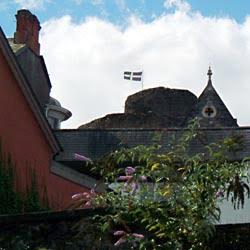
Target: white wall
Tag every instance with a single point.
(229, 215)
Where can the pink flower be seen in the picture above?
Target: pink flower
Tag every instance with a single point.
(138, 236)
(125, 236)
(143, 178)
(125, 177)
(76, 196)
(81, 158)
(119, 232)
(92, 191)
(129, 170)
(88, 204)
(219, 194)
(84, 198)
(119, 242)
(81, 196)
(134, 187)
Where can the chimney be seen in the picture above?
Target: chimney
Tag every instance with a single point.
(27, 30)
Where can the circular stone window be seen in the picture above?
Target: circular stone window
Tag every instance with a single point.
(209, 111)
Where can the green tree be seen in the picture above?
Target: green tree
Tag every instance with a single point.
(166, 200)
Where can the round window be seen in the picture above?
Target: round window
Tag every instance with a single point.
(209, 111)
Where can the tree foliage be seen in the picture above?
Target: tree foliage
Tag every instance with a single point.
(167, 200)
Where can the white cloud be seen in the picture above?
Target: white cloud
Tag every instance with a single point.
(180, 5)
(86, 60)
(32, 4)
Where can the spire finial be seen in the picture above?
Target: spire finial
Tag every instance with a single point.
(209, 73)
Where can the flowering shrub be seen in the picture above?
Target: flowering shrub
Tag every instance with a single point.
(81, 158)
(85, 199)
(166, 200)
(124, 237)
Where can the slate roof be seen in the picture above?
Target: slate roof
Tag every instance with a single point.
(95, 143)
(34, 68)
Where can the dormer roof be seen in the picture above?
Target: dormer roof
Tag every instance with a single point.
(210, 109)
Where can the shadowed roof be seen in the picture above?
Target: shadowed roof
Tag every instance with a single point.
(95, 143)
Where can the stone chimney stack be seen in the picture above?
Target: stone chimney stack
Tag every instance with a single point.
(27, 30)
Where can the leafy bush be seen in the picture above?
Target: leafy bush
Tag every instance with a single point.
(166, 200)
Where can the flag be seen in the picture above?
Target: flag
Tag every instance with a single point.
(134, 76)
(127, 75)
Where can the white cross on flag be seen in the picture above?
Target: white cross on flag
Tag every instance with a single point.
(133, 76)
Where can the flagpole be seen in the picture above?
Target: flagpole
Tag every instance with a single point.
(142, 76)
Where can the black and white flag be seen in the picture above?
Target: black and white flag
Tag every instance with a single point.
(133, 76)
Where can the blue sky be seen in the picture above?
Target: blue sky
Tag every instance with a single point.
(115, 11)
(88, 44)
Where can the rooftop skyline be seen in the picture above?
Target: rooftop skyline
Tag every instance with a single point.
(87, 45)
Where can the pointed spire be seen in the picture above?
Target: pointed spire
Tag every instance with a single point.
(209, 73)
